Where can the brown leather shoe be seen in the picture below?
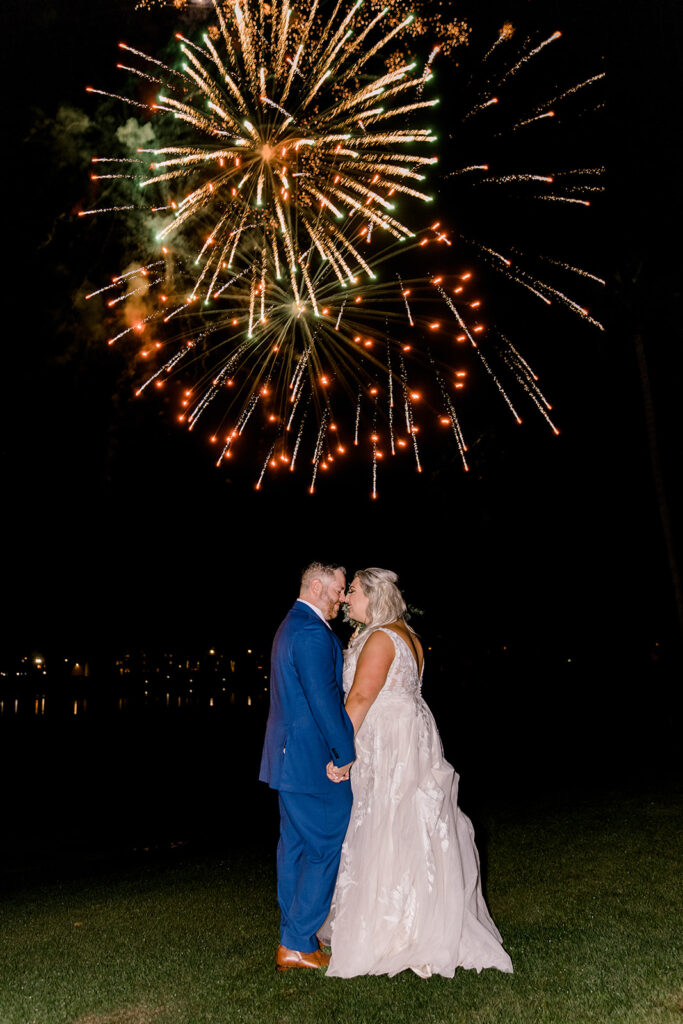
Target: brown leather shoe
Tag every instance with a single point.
(288, 958)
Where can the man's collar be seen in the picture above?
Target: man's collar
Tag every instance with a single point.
(313, 608)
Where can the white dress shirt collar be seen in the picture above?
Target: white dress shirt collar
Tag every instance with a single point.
(314, 609)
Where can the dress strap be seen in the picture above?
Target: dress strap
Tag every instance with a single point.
(395, 632)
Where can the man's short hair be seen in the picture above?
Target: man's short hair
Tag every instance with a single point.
(319, 571)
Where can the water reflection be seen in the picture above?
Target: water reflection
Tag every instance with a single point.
(76, 705)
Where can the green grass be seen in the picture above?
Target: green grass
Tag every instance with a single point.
(587, 898)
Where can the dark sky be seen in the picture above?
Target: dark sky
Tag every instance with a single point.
(119, 529)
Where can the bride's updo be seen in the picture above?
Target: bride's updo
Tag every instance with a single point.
(385, 601)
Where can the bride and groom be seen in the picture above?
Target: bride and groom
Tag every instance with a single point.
(375, 859)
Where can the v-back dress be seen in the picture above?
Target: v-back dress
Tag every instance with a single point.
(408, 892)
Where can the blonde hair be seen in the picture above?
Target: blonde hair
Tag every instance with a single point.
(385, 601)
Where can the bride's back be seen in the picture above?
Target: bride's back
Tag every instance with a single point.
(405, 672)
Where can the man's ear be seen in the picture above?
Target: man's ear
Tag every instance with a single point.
(316, 587)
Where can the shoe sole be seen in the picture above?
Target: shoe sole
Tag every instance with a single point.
(299, 967)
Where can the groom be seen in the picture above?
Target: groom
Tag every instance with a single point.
(307, 727)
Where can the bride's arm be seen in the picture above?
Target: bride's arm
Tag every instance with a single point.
(371, 674)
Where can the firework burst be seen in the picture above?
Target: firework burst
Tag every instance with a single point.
(291, 140)
(282, 307)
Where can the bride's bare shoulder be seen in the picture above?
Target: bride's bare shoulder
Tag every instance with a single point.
(409, 637)
(377, 643)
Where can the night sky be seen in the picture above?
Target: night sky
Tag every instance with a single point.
(119, 530)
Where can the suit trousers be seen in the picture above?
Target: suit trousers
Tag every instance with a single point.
(312, 830)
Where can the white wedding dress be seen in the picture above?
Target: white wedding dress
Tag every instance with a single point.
(408, 893)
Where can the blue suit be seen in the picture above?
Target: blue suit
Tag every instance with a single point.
(307, 727)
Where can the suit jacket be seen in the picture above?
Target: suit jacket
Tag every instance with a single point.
(307, 724)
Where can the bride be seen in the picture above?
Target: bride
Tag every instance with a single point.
(408, 892)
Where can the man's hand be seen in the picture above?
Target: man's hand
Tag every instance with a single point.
(340, 774)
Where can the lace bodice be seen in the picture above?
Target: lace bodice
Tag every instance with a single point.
(403, 677)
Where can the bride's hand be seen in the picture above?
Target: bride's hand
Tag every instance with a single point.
(335, 774)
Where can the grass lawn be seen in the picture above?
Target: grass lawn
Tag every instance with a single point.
(587, 897)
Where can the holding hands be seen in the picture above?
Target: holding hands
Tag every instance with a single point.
(340, 774)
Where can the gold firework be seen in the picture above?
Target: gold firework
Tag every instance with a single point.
(290, 139)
